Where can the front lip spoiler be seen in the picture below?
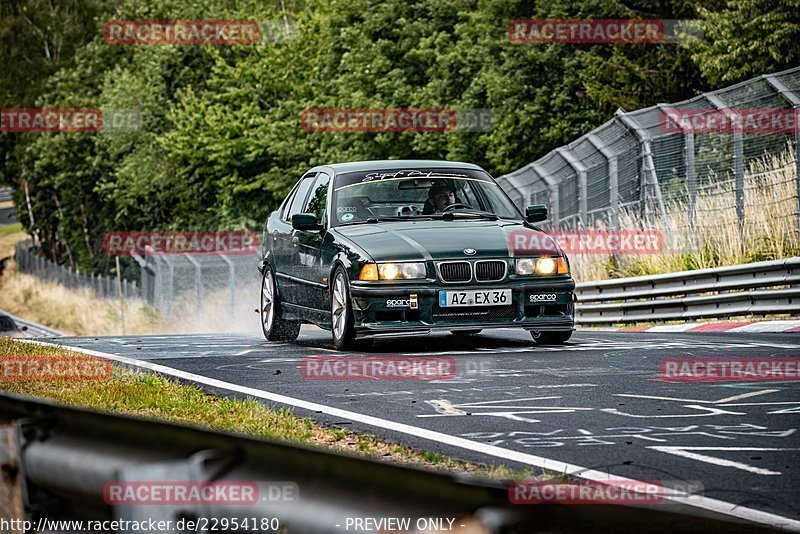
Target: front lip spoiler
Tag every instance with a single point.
(427, 291)
(365, 332)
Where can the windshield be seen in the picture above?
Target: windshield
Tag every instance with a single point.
(418, 193)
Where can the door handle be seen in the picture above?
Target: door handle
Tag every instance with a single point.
(295, 242)
(274, 235)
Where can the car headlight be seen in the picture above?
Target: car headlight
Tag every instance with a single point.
(393, 271)
(542, 266)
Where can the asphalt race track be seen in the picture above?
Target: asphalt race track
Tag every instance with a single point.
(597, 403)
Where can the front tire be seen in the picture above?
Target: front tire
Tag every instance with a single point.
(273, 326)
(342, 323)
(550, 338)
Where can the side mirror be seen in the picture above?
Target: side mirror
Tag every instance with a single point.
(305, 221)
(536, 213)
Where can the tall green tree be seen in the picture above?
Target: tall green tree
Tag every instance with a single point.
(747, 38)
(221, 140)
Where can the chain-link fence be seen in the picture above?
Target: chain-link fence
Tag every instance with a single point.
(189, 280)
(102, 286)
(172, 283)
(679, 168)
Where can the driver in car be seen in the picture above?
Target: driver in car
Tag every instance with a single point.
(441, 194)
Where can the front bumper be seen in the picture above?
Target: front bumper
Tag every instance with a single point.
(382, 310)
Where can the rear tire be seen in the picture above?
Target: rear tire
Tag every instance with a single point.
(273, 326)
(474, 332)
(550, 338)
(343, 330)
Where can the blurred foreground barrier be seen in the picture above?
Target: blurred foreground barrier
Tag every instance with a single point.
(59, 463)
(753, 289)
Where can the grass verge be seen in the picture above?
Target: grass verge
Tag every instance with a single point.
(10, 235)
(74, 311)
(149, 395)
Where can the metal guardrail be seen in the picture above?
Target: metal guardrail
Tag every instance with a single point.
(754, 289)
(56, 462)
(34, 329)
(5, 193)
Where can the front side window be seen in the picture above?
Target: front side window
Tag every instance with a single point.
(298, 201)
(318, 200)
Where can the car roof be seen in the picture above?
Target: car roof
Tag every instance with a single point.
(377, 165)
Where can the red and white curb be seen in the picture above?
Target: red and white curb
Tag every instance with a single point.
(717, 326)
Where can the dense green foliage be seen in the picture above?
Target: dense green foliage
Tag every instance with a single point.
(221, 140)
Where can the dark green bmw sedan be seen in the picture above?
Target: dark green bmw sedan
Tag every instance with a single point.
(399, 247)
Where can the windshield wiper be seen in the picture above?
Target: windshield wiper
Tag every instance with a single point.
(376, 220)
(480, 215)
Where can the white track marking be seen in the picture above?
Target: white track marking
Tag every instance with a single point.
(709, 411)
(505, 401)
(787, 410)
(720, 401)
(745, 396)
(684, 452)
(705, 503)
(760, 403)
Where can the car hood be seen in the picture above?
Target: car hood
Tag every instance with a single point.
(440, 240)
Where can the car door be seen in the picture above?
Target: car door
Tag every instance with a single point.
(284, 244)
(311, 269)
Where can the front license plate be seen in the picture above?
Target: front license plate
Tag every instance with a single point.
(477, 297)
